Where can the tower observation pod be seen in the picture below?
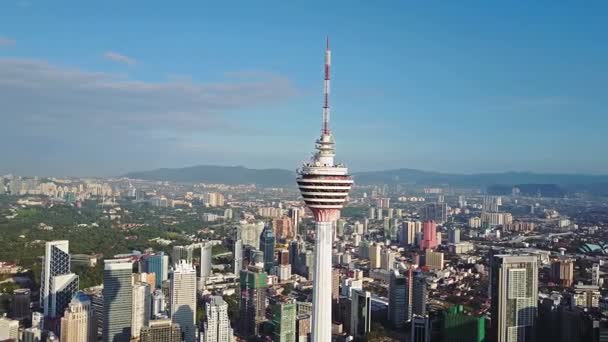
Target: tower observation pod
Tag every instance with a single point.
(324, 186)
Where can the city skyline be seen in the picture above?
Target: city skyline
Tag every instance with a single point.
(177, 86)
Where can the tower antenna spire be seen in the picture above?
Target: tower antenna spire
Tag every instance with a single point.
(326, 129)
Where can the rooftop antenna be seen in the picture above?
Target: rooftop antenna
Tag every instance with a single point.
(326, 130)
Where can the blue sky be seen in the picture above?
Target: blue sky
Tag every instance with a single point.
(108, 87)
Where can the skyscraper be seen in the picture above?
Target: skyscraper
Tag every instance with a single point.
(429, 235)
(360, 313)
(397, 299)
(514, 291)
(253, 300)
(217, 324)
(183, 299)
(141, 307)
(58, 285)
(117, 300)
(238, 257)
(284, 314)
(458, 327)
(78, 323)
(206, 254)
(161, 330)
(419, 294)
(20, 304)
(267, 242)
(324, 186)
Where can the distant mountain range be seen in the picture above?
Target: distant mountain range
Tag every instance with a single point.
(280, 177)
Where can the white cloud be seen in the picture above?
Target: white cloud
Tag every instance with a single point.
(48, 100)
(120, 58)
(6, 41)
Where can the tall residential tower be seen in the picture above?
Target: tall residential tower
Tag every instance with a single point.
(324, 186)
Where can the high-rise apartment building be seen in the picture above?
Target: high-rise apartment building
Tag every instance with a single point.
(429, 235)
(78, 322)
(375, 255)
(253, 300)
(387, 259)
(284, 314)
(161, 330)
(238, 257)
(183, 299)
(58, 284)
(514, 293)
(433, 260)
(295, 214)
(283, 228)
(117, 300)
(205, 264)
(217, 323)
(437, 212)
(141, 307)
(267, 242)
(454, 235)
(562, 272)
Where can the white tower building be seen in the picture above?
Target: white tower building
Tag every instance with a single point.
(183, 299)
(78, 323)
(324, 186)
(141, 308)
(217, 326)
(205, 261)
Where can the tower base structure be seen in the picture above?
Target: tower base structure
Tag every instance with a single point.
(321, 310)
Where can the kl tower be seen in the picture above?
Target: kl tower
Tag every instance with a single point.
(324, 185)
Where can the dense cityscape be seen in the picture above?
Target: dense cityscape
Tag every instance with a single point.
(106, 236)
(158, 261)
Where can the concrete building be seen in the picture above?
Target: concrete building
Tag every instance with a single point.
(217, 323)
(433, 260)
(429, 235)
(9, 329)
(514, 293)
(78, 323)
(183, 299)
(562, 272)
(117, 300)
(142, 306)
(375, 256)
(238, 257)
(205, 262)
(161, 330)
